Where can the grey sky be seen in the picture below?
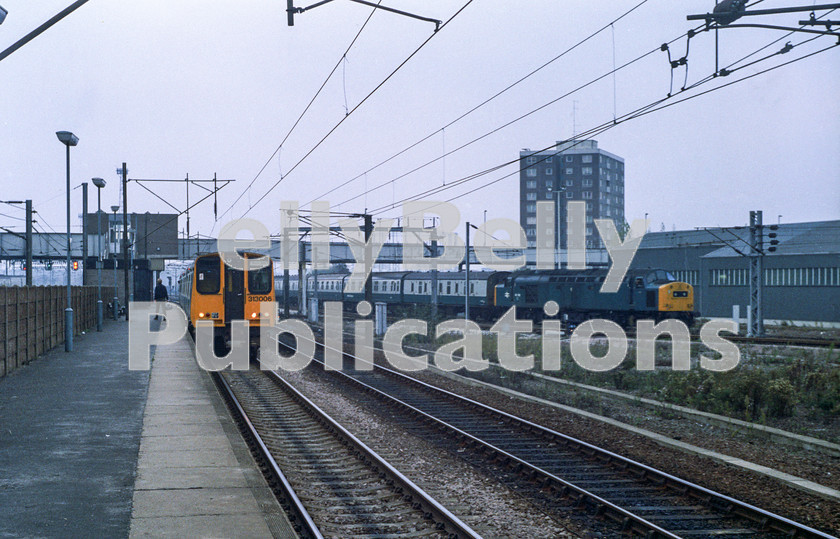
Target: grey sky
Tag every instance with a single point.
(189, 86)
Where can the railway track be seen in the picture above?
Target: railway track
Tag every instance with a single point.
(786, 341)
(635, 497)
(329, 483)
(778, 340)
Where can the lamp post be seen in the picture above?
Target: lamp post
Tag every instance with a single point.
(99, 183)
(68, 139)
(116, 296)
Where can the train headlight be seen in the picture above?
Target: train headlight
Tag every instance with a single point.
(201, 315)
(253, 315)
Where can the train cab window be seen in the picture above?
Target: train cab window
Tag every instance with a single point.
(208, 275)
(259, 281)
(640, 282)
(659, 276)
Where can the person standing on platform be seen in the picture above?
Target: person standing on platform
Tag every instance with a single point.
(161, 297)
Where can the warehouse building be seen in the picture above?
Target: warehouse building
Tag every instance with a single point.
(801, 281)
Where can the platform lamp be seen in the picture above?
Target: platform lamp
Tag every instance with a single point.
(68, 139)
(99, 183)
(3, 14)
(115, 209)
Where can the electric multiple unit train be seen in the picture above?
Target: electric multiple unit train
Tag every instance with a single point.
(216, 292)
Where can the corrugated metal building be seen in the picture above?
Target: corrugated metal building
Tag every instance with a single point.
(801, 278)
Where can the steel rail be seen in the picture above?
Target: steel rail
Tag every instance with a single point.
(445, 519)
(628, 520)
(297, 513)
(763, 518)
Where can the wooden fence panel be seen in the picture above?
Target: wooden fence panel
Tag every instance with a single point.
(32, 320)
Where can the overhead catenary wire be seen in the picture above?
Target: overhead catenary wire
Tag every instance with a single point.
(702, 81)
(689, 33)
(13, 217)
(509, 123)
(642, 111)
(357, 106)
(341, 61)
(483, 103)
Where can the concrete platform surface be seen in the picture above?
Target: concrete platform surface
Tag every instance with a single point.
(195, 476)
(69, 435)
(91, 449)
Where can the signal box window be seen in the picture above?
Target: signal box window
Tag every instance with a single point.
(208, 275)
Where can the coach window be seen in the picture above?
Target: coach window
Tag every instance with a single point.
(209, 277)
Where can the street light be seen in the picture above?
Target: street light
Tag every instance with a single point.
(99, 183)
(3, 14)
(68, 139)
(116, 297)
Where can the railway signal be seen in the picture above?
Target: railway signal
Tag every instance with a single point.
(773, 242)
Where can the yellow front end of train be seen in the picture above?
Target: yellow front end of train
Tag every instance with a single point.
(676, 297)
(214, 291)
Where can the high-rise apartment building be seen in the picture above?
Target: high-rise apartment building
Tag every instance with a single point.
(579, 170)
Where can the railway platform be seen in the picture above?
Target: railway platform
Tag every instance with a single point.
(89, 448)
(69, 431)
(195, 475)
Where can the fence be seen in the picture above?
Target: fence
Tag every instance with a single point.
(32, 320)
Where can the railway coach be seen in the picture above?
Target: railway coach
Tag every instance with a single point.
(406, 288)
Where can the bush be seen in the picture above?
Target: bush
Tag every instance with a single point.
(781, 398)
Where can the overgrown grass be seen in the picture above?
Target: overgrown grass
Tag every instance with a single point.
(779, 385)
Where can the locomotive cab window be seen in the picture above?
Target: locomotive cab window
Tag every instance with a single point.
(659, 276)
(208, 275)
